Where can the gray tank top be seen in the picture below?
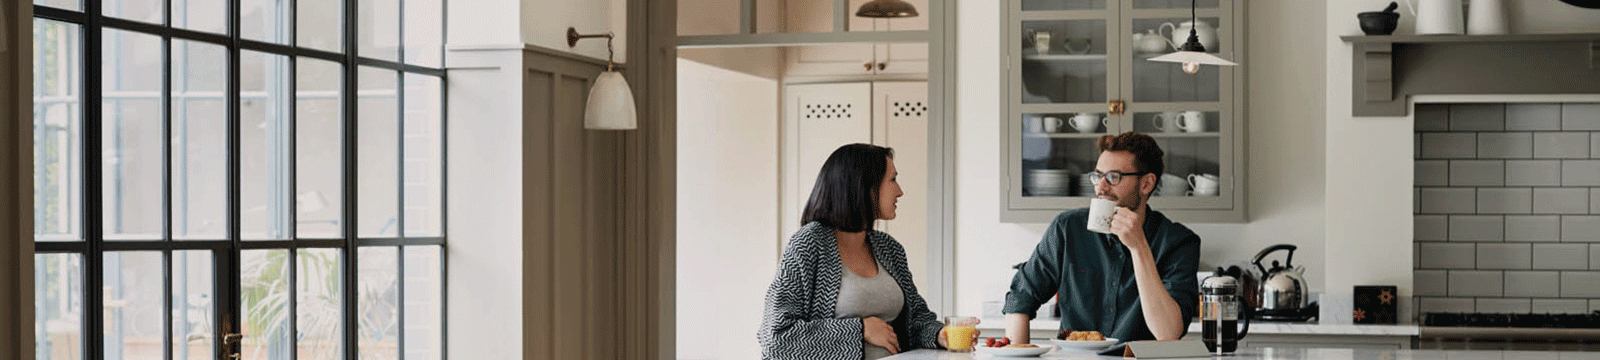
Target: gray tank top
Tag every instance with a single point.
(861, 297)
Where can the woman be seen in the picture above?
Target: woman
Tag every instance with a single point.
(843, 290)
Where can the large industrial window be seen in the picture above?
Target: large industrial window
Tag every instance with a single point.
(251, 179)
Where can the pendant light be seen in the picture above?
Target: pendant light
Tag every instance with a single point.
(887, 9)
(610, 105)
(1192, 54)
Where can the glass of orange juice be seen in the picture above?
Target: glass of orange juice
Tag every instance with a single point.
(959, 331)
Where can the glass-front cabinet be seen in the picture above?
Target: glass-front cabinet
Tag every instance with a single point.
(1076, 70)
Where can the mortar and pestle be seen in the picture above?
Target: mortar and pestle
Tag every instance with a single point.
(1379, 22)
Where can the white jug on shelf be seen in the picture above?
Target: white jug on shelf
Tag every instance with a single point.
(1150, 42)
(1437, 16)
(1487, 17)
(1180, 34)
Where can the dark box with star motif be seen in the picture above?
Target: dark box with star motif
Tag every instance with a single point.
(1375, 304)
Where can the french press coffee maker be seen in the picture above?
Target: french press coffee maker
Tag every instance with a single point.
(1220, 312)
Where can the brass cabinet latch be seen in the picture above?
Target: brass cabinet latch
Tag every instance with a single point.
(1115, 107)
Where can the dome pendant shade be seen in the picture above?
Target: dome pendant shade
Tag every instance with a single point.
(610, 104)
(887, 9)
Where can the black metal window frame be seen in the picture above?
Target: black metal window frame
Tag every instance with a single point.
(93, 246)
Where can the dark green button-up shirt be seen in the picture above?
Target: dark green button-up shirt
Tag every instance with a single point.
(1093, 275)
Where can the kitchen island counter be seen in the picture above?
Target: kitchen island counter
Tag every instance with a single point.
(1292, 354)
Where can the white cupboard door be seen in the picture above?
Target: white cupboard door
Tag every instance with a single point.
(819, 118)
(901, 122)
(822, 60)
(904, 58)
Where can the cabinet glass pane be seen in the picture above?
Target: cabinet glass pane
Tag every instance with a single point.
(1064, 61)
(1174, 4)
(1166, 82)
(1191, 142)
(1057, 149)
(1030, 5)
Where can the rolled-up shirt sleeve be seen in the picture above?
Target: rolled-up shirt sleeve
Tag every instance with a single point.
(1038, 279)
(1178, 265)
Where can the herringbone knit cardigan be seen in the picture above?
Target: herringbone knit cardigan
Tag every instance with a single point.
(799, 319)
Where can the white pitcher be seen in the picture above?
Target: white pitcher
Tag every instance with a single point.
(1487, 17)
(1437, 16)
(1180, 34)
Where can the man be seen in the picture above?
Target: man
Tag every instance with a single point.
(1137, 283)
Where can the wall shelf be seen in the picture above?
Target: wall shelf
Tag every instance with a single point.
(1389, 68)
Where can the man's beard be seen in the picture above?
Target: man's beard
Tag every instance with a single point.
(1131, 200)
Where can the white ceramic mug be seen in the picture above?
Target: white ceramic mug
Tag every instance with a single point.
(1167, 121)
(1100, 211)
(1192, 121)
(1041, 41)
(1203, 184)
(1087, 122)
(1052, 124)
(1172, 185)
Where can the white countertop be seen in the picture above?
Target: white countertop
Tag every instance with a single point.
(1256, 327)
(1294, 354)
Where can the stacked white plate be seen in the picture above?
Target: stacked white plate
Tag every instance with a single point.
(1085, 185)
(1048, 182)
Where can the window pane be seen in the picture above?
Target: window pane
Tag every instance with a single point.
(264, 304)
(134, 298)
(424, 305)
(131, 131)
(57, 131)
(424, 167)
(319, 298)
(58, 306)
(379, 29)
(201, 15)
(76, 5)
(149, 11)
(265, 20)
(193, 309)
(424, 32)
(378, 154)
(376, 308)
(319, 137)
(320, 25)
(199, 141)
(264, 146)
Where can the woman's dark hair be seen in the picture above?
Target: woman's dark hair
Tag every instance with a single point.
(845, 196)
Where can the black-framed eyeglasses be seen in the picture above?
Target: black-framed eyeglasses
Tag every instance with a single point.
(1112, 177)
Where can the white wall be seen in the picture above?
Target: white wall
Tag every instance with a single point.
(539, 22)
(1285, 158)
(1370, 223)
(727, 213)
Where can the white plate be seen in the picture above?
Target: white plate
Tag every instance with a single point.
(1084, 345)
(1015, 352)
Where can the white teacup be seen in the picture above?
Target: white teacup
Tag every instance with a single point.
(1204, 184)
(1100, 211)
(1167, 121)
(1192, 121)
(1053, 124)
(1041, 41)
(1172, 185)
(1087, 122)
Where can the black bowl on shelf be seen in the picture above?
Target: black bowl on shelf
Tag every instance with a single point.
(1378, 22)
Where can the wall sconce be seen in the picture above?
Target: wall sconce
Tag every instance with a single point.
(610, 105)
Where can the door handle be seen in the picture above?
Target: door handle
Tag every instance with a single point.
(230, 339)
(868, 66)
(1116, 107)
(882, 66)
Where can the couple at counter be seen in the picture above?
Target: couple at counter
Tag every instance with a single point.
(843, 290)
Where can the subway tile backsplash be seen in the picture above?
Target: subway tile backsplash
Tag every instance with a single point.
(1507, 208)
